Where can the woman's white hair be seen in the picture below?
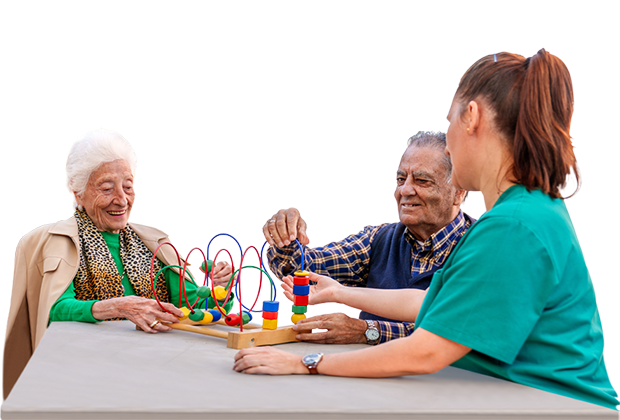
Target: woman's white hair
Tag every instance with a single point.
(93, 150)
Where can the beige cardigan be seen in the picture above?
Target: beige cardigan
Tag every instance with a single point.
(46, 262)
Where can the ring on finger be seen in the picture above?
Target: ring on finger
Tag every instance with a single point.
(154, 323)
(272, 220)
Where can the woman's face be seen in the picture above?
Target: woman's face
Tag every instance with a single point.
(109, 196)
(456, 145)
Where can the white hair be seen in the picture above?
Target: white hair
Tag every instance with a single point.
(93, 150)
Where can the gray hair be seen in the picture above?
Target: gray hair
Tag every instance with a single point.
(434, 140)
(93, 150)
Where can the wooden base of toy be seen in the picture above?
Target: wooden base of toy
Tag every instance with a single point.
(260, 337)
(252, 336)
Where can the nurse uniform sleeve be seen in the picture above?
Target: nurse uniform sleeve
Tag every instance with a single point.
(492, 290)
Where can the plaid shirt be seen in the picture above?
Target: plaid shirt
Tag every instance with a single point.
(347, 261)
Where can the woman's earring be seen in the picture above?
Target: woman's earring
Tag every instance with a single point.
(80, 208)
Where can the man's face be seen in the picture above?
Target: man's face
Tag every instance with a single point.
(426, 200)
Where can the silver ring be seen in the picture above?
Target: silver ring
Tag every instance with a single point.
(272, 220)
(151, 325)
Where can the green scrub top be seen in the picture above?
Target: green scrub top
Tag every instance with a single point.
(517, 291)
(68, 308)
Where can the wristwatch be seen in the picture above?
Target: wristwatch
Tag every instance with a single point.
(372, 333)
(311, 361)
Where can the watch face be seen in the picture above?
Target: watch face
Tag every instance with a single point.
(372, 334)
(311, 359)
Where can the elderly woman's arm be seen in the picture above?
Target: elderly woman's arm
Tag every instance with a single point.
(139, 310)
(68, 308)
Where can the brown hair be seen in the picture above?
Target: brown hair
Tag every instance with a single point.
(533, 103)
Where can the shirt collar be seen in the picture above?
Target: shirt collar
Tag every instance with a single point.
(441, 240)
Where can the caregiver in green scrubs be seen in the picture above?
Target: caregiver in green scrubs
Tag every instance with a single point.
(514, 300)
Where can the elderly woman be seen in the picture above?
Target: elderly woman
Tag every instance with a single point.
(94, 266)
(514, 299)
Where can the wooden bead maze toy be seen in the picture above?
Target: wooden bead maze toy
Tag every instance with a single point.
(218, 302)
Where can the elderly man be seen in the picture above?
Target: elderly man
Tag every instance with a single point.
(389, 256)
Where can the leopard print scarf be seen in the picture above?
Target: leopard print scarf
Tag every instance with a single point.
(98, 277)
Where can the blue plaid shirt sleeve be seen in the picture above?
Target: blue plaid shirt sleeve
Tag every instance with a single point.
(345, 261)
(394, 330)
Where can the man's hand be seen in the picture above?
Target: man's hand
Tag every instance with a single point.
(284, 227)
(341, 329)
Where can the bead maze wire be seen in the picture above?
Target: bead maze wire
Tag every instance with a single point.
(182, 266)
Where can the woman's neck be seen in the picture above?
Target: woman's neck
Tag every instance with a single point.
(496, 176)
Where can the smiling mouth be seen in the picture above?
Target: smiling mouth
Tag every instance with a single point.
(117, 213)
(410, 205)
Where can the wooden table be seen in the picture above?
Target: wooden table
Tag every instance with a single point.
(111, 371)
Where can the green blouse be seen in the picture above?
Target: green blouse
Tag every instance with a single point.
(68, 308)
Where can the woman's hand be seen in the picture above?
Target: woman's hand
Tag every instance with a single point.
(325, 289)
(141, 311)
(269, 360)
(221, 275)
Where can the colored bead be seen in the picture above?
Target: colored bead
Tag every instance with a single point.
(247, 317)
(300, 300)
(301, 281)
(300, 309)
(207, 319)
(271, 306)
(301, 290)
(197, 315)
(203, 292)
(297, 317)
(211, 303)
(270, 315)
(232, 320)
(301, 273)
(220, 293)
(270, 324)
(185, 311)
(217, 315)
(209, 266)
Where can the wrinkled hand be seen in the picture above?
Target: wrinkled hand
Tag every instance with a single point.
(341, 329)
(268, 360)
(323, 291)
(141, 311)
(284, 227)
(221, 273)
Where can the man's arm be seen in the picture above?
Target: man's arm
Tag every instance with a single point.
(345, 261)
(342, 329)
(393, 330)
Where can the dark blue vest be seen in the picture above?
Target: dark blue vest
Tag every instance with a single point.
(390, 264)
